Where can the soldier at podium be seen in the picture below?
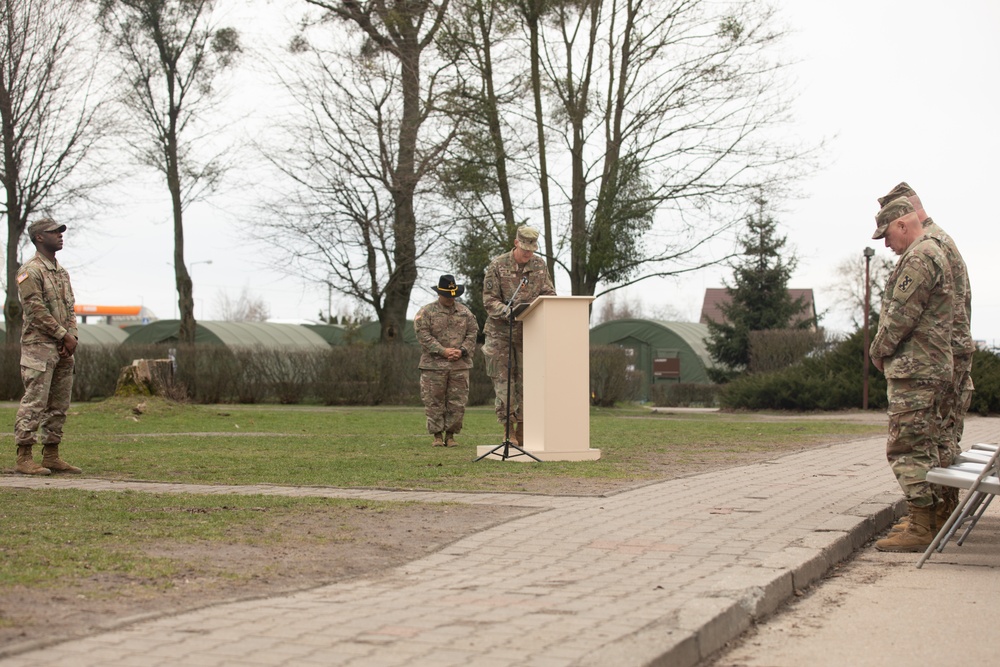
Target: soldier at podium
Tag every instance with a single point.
(519, 268)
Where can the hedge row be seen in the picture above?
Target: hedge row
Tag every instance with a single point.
(832, 380)
(360, 374)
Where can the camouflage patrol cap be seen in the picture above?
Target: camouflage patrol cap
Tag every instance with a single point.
(901, 190)
(44, 225)
(527, 237)
(891, 212)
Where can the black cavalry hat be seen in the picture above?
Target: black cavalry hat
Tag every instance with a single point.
(446, 287)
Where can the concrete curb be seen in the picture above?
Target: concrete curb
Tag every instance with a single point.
(744, 596)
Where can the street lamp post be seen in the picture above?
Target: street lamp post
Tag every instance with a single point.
(869, 253)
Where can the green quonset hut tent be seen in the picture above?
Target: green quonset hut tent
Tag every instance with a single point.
(90, 334)
(333, 334)
(372, 332)
(232, 334)
(369, 332)
(663, 352)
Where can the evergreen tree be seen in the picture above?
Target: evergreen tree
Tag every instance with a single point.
(759, 298)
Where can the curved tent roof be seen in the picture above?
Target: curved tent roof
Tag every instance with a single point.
(369, 332)
(331, 333)
(90, 334)
(101, 334)
(372, 332)
(232, 334)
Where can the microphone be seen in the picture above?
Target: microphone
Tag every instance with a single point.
(524, 280)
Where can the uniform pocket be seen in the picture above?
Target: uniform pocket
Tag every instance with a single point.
(907, 396)
(32, 363)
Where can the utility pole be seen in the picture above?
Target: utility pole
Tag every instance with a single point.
(869, 253)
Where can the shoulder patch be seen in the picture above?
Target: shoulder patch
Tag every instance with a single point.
(907, 284)
(21, 277)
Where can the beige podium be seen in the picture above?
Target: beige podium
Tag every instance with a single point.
(556, 381)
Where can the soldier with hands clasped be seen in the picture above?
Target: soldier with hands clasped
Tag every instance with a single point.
(446, 331)
(48, 341)
(913, 347)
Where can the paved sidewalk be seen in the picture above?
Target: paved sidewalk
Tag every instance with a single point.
(667, 573)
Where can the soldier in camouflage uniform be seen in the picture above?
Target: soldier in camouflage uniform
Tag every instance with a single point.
(913, 349)
(956, 404)
(505, 273)
(48, 341)
(447, 334)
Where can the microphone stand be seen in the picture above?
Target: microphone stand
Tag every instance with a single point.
(507, 445)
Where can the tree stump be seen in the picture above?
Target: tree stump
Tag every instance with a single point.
(146, 377)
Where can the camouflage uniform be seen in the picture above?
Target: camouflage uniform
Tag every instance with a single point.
(47, 299)
(444, 384)
(956, 404)
(503, 276)
(914, 344)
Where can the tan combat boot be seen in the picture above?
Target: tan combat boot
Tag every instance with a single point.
(449, 439)
(51, 460)
(26, 463)
(438, 440)
(900, 525)
(520, 433)
(513, 434)
(917, 536)
(942, 511)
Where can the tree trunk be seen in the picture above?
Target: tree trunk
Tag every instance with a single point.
(534, 16)
(404, 177)
(496, 132)
(12, 311)
(185, 289)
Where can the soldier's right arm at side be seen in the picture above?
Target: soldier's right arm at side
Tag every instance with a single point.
(31, 289)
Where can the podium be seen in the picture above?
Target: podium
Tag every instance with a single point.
(556, 402)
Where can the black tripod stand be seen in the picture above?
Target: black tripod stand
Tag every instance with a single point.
(507, 445)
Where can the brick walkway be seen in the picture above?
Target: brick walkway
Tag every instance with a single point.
(669, 571)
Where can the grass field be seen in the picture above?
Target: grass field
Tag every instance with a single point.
(389, 448)
(112, 542)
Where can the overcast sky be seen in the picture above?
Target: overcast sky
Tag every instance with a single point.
(902, 90)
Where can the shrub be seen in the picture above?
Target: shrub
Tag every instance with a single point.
(827, 380)
(611, 381)
(774, 349)
(986, 377)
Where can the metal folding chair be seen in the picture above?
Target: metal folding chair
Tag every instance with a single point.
(977, 471)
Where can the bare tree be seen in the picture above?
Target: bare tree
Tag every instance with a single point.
(245, 308)
(52, 120)
(623, 306)
(657, 125)
(364, 151)
(849, 289)
(617, 306)
(171, 52)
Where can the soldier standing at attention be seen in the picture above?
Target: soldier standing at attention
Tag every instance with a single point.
(956, 405)
(48, 341)
(913, 349)
(447, 334)
(505, 273)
